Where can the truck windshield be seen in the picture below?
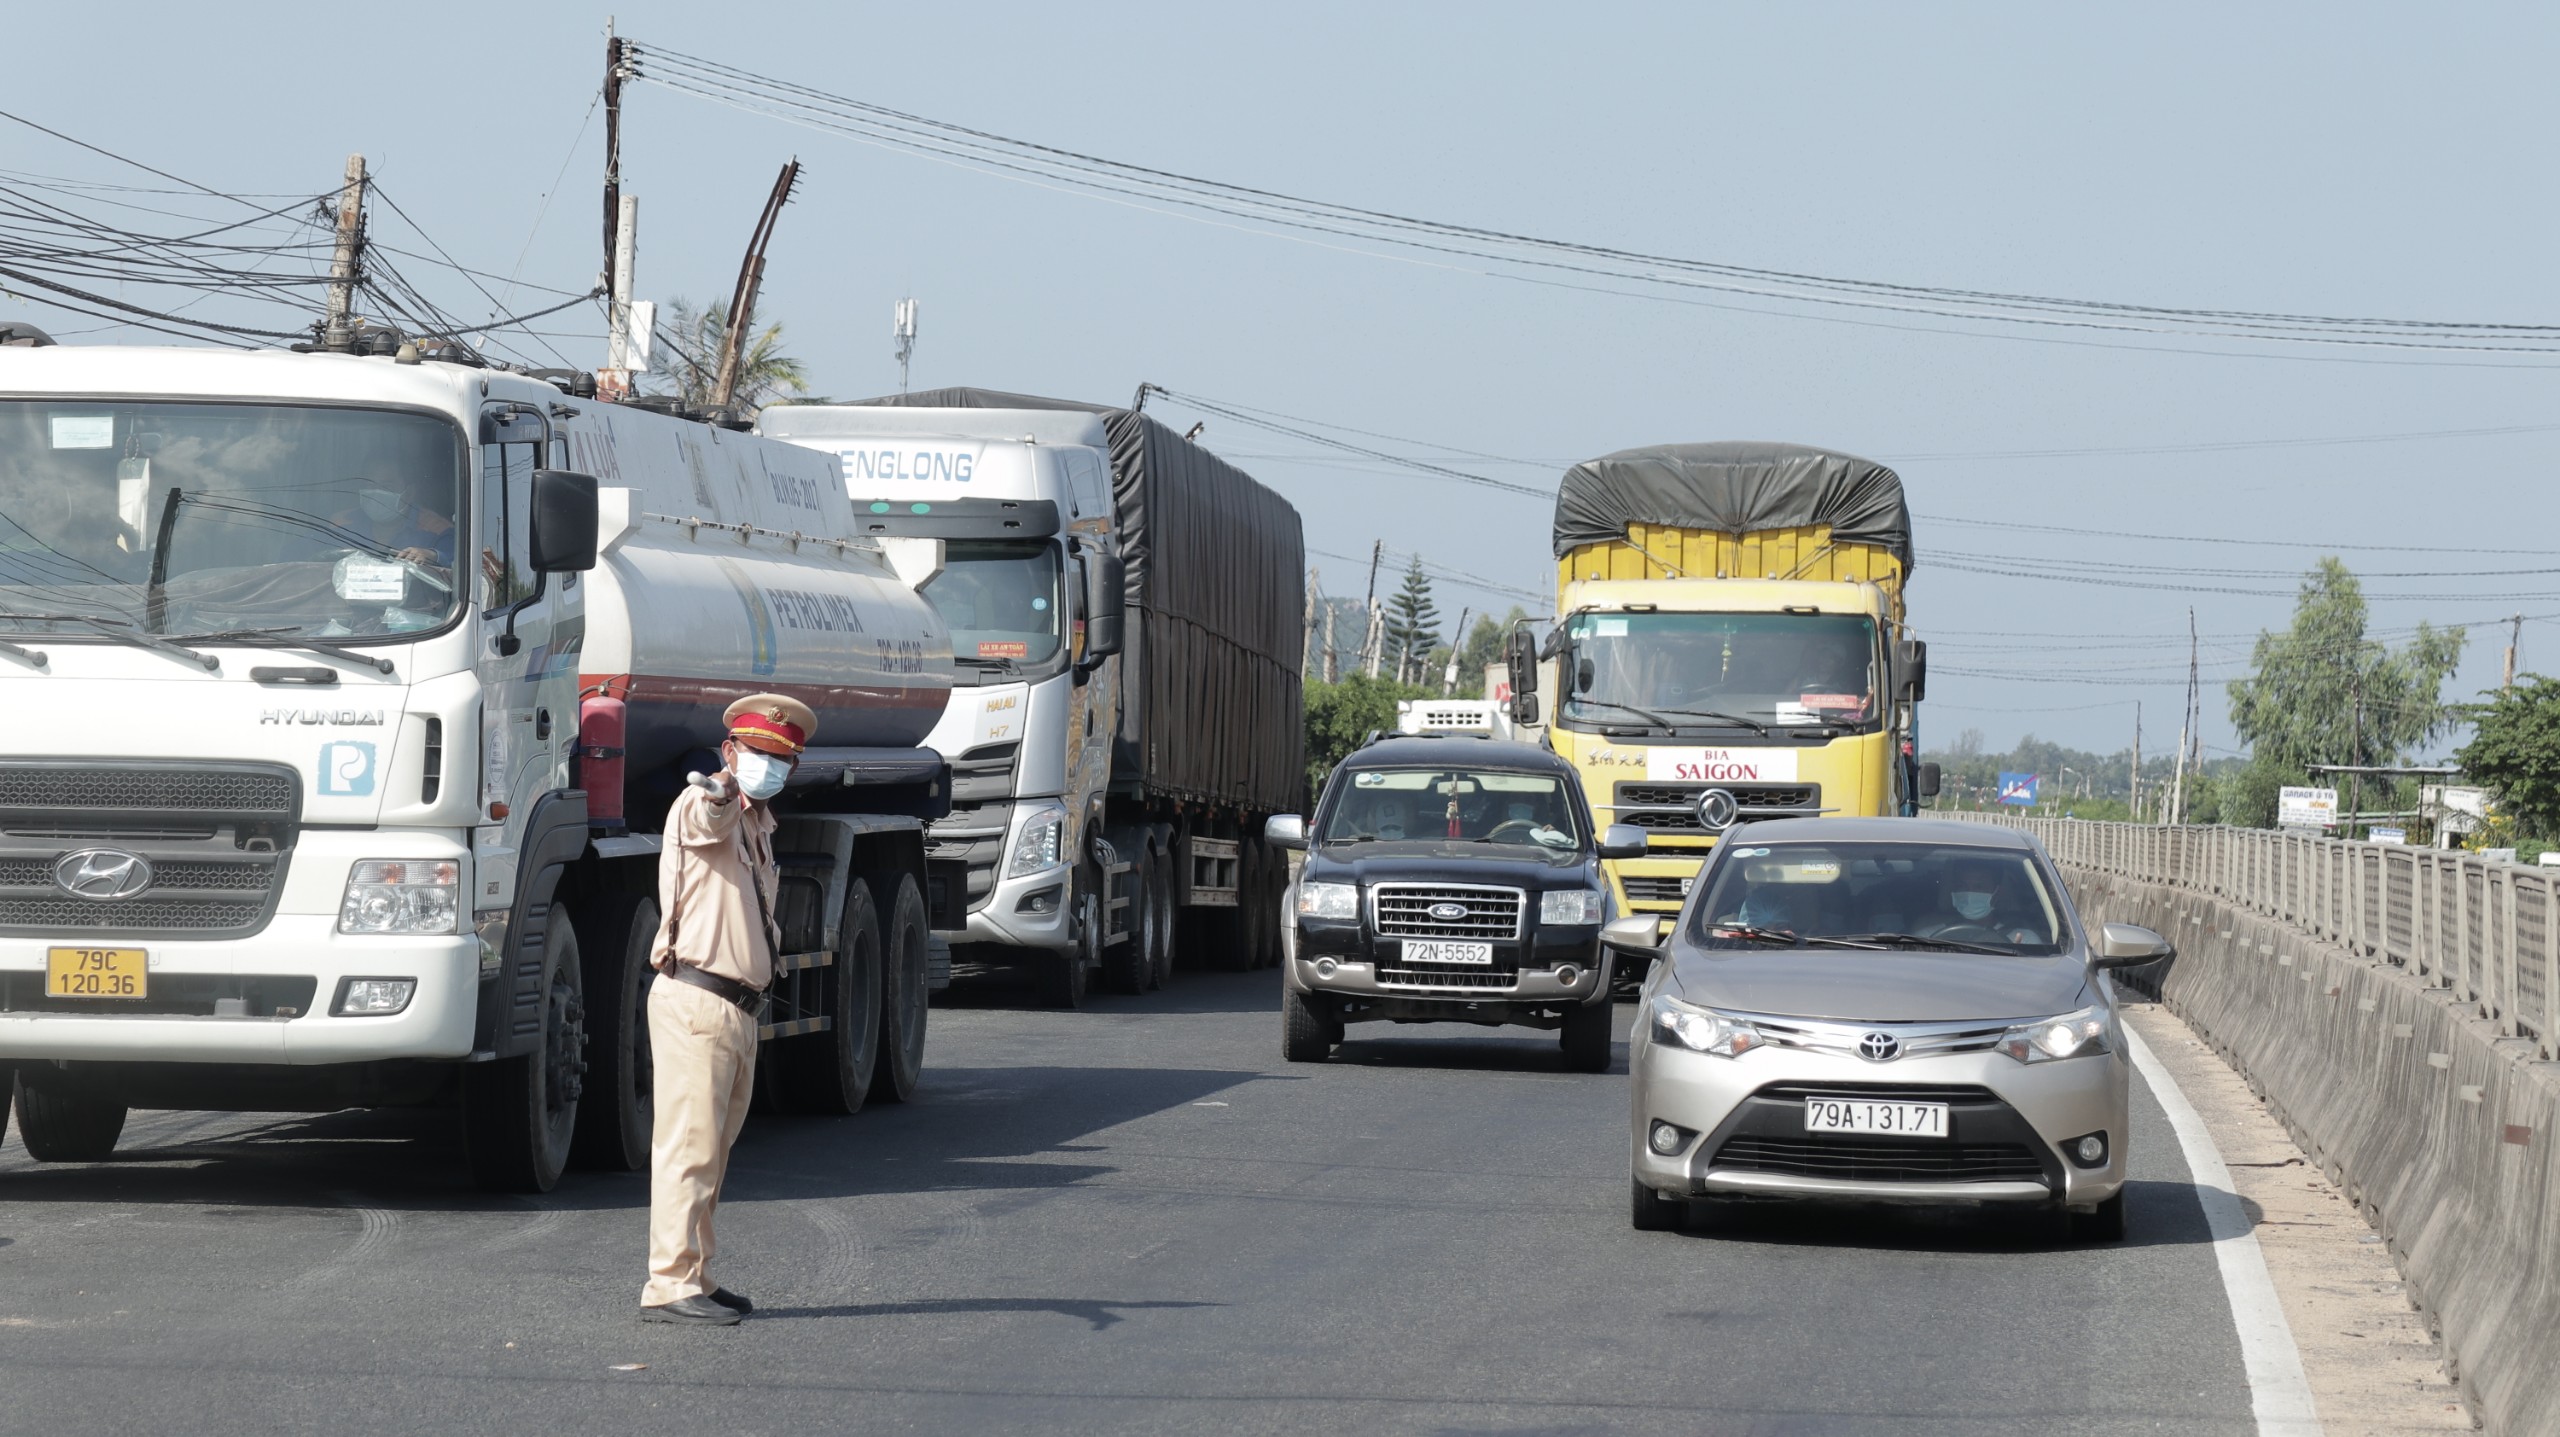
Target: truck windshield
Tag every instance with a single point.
(1692, 669)
(1000, 599)
(1442, 805)
(180, 519)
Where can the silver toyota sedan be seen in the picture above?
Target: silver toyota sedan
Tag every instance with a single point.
(1902, 1010)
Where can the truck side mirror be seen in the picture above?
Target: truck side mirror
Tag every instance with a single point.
(1520, 653)
(1929, 774)
(1105, 606)
(564, 522)
(1911, 660)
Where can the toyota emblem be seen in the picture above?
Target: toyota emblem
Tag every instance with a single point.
(103, 874)
(1718, 808)
(1879, 1047)
(1448, 912)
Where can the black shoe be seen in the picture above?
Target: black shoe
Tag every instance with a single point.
(698, 1310)
(735, 1302)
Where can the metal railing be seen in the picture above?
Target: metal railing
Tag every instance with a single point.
(2488, 932)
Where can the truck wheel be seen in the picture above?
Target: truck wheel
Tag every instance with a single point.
(1585, 1036)
(902, 996)
(618, 1102)
(1308, 1029)
(1125, 964)
(830, 1072)
(518, 1114)
(1262, 907)
(1065, 976)
(62, 1125)
(1160, 962)
(1650, 1211)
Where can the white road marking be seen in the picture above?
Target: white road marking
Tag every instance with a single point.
(2279, 1394)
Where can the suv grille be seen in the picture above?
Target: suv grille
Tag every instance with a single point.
(1673, 807)
(1403, 910)
(1856, 1161)
(1474, 980)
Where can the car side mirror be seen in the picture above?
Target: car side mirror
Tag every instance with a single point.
(1622, 840)
(1636, 933)
(1285, 830)
(2127, 945)
(1911, 661)
(1106, 580)
(564, 522)
(1520, 656)
(1930, 776)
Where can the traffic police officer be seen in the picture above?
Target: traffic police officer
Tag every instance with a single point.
(718, 888)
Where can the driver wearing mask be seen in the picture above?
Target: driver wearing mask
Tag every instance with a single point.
(1391, 817)
(1983, 894)
(396, 519)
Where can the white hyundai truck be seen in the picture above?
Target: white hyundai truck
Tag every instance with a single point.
(341, 698)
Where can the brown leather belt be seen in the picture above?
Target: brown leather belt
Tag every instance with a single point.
(727, 990)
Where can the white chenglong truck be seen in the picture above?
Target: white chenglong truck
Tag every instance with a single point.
(1125, 610)
(341, 699)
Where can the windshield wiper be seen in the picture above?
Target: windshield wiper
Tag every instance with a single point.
(1756, 935)
(124, 632)
(285, 638)
(1914, 940)
(1660, 716)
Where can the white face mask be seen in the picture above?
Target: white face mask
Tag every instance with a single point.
(1971, 905)
(760, 775)
(381, 505)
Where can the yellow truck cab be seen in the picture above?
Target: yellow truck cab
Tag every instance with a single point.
(1730, 643)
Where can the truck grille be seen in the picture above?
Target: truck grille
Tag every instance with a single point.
(981, 813)
(1656, 890)
(218, 837)
(1403, 910)
(64, 788)
(134, 915)
(1673, 807)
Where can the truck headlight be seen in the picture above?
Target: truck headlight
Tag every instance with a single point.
(1339, 902)
(1035, 848)
(1569, 905)
(2073, 1035)
(401, 895)
(1701, 1030)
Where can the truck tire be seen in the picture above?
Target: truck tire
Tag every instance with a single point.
(1308, 1030)
(830, 1071)
(1064, 975)
(62, 1125)
(903, 954)
(1160, 962)
(1253, 903)
(617, 1103)
(518, 1114)
(1586, 1034)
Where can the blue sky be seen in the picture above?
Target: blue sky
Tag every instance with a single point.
(2325, 159)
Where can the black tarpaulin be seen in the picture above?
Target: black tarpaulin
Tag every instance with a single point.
(1212, 703)
(1732, 488)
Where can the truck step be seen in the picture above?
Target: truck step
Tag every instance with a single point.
(794, 962)
(795, 1027)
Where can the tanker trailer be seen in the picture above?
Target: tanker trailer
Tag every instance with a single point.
(384, 674)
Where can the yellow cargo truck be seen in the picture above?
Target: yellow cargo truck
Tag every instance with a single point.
(1730, 643)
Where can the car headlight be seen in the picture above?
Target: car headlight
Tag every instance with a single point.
(1337, 901)
(1569, 905)
(1702, 1030)
(1035, 848)
(401, 895)
(2073, 1035)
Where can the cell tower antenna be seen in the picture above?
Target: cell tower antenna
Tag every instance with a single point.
(902, 328)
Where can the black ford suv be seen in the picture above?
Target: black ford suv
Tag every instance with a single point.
(1449, 879)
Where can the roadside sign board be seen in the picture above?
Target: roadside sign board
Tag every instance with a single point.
(2018, 789)
(1497, 683)
(2307, 807)
(2387, 835)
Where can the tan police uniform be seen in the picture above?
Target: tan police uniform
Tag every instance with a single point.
(718, 892)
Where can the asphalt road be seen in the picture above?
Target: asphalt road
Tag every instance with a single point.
(1130, 1219)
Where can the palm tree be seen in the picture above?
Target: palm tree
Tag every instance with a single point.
(765, 373)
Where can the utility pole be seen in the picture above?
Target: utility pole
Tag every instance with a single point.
(346, 262)
(2134, 807)
(2189, 722)
(1449, 679)
(621, 352)
(2515, 643)
(1372, 640)
(2355, 751)
(617, 68)
(742, 301)
(1315, 599)
(902, 330)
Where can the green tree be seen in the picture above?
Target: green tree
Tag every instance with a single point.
(1340, 715)
(765, 373)
(2325, 693)
(1412, 624)
(2515, 752)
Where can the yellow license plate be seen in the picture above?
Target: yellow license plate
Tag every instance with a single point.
(96, 973)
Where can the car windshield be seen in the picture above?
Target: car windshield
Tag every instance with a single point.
(1000, 599)
(1443, 805)
(181, 519)
(1692, 669)
(1884, 895)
